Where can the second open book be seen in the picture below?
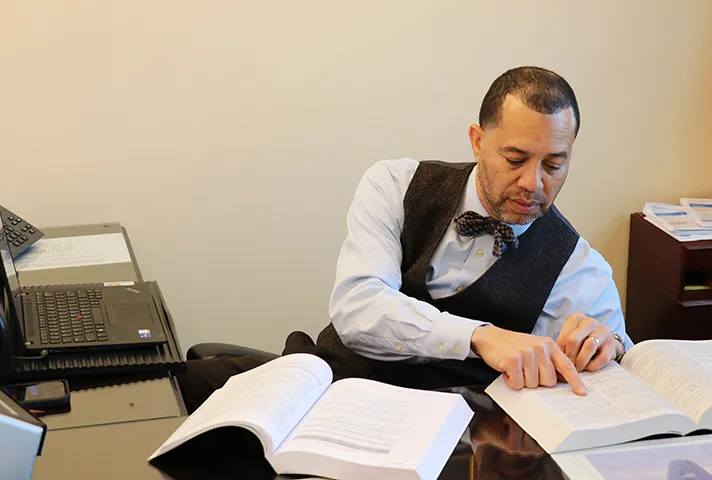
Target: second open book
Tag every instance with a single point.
(351, 429)
(660, 387)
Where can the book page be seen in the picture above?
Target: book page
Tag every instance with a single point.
(268, 400)
(614, 397)
(679, 370)
(618, 407)
(370, 423)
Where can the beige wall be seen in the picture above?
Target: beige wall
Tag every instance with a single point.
(253, 121)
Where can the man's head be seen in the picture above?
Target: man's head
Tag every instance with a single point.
(528, 122)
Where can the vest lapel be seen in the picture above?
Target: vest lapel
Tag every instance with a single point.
(429, 205)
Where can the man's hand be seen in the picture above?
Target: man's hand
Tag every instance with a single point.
(577, 340)
(525, 360)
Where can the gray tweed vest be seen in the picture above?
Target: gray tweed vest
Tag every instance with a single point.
(510, 295)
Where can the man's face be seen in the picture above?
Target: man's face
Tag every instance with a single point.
(522, 163)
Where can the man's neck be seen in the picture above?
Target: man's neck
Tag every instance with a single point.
(481, 196)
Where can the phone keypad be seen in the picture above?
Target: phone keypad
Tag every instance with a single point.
(20, 233)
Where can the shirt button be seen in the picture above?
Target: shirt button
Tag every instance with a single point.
(459, 289)
(399, 347)
(480, 253)
(458, 350)
(442, 348)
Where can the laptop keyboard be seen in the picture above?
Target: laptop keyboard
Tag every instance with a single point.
(70, 317)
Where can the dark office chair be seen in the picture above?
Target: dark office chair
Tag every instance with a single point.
(296, 342)
(213, 350)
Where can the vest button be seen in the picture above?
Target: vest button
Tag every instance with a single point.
(480, 253)
(458, 350)
(459, 289)
(442, 348)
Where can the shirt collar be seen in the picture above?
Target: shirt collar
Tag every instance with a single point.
(471, 201)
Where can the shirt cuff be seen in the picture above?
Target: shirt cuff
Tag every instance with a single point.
(450, 337)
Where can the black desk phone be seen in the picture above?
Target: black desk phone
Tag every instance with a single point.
(19, 232)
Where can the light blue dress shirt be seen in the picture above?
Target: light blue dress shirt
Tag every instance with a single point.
(376, 320)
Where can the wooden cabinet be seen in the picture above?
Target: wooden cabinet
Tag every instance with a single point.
(659, 268)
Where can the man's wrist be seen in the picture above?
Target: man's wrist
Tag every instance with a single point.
(478, 337)
(620, 349)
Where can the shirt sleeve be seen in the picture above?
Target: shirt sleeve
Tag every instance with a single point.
(585, 285)
(368, 311)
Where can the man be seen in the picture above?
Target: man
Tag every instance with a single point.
(452, 273)
(448, 262)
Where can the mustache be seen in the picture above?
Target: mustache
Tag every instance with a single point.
(529, 197)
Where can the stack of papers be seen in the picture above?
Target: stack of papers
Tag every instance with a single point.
(687, 222)
(699, 209)
(81, 251)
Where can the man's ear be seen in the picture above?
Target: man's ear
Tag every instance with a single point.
(476, 134)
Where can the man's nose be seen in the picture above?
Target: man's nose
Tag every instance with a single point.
(531, 178)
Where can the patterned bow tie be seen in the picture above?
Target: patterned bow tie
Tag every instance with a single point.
(471, 224)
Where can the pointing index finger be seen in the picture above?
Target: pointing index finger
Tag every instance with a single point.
(566, 368)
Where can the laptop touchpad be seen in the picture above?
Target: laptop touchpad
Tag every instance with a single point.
(129, 314)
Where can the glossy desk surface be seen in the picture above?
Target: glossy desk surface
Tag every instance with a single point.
(493, 447)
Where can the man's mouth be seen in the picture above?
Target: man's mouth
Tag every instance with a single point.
(524, 206)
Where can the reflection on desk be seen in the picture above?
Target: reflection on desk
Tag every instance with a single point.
(496, 447)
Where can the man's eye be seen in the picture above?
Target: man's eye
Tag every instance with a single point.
(515, 162)
(553, 168)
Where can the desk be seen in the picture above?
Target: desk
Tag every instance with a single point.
(139, 410)
(109, 452)
(109, 399)
(119, 451)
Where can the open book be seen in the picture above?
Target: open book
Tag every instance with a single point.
(660, 387)
(351, 429)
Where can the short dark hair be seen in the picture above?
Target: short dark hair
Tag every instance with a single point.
(541, 90)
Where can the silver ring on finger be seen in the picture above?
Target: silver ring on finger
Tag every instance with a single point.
(595, 339)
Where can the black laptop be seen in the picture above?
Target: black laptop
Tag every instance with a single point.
(69, 317)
